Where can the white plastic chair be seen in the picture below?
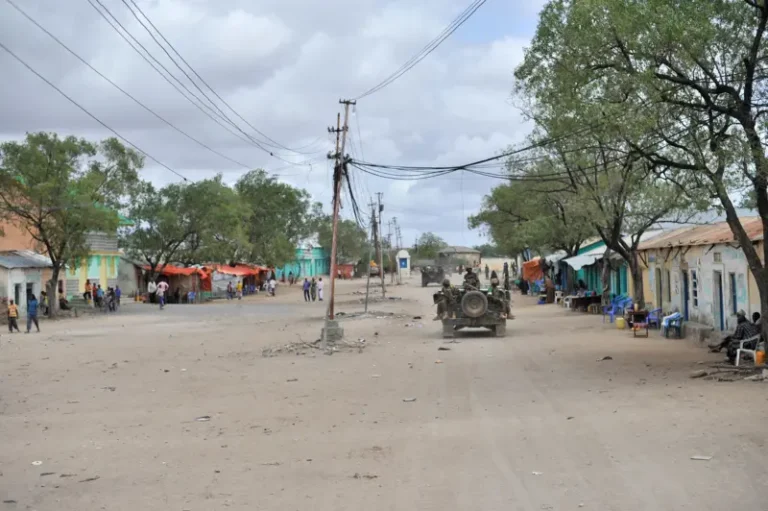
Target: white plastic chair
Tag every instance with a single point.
(741, 349)
(559, 295)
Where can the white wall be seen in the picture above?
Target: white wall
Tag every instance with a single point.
(702, 260)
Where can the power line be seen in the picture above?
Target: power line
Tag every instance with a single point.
(274, 143)
(145, 107)
(200, 104)
(78, 105)
(429, 48)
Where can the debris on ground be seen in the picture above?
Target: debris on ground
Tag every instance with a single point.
(271, 464)
(204, 418)
(45, 474)
(438, 361)
(701, 458)
(409, 399)
(111, 389)
(607, 357)
(302, 347)
(570, 418)
(37, 463)
(725, 372)
(537, 473)
(90, 479)
(701, 373)
(443, 348)
(365, 476)
(10, 502)
(291, 380)
(417, 317)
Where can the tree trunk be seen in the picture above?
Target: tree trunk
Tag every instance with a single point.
(638, 297)
(52, 291)
(606, 278)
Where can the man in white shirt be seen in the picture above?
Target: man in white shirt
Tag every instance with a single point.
(272, 285)
(320, 285)
(151, 290)
(162, 289)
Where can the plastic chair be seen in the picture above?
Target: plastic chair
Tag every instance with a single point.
(654, 318)
(742, 349)
(610, 310)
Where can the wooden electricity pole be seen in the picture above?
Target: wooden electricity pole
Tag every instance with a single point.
(381, 247)
(338, 177)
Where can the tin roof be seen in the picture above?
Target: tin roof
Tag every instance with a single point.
(458, 250)
(23, 259)
(713, 234)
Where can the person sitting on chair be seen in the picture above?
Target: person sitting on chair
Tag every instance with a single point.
(744, 330)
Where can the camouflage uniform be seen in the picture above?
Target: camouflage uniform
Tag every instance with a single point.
(448, 299)
(471, 279)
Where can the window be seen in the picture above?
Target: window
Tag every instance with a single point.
(718, 257)
(669, 286)
(734, 293)
(695, 288)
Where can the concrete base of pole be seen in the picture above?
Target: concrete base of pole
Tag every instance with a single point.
(332, 332)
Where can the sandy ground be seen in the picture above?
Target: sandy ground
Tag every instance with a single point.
(530, 422)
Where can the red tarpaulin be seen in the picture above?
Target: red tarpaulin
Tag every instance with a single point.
(178, 270)
(532, 270)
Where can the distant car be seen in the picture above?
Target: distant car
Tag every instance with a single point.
(374, 272)
(432, 274)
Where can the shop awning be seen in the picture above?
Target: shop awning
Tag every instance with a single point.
(580, 261)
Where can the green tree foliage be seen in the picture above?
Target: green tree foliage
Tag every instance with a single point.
(540, 215)
(60, 189)
(352, 242)
(428, 245)
(278, 217)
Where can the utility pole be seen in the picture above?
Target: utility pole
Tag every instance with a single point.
(381, 248)
(370, 255)
(389, 255)
(338, 176)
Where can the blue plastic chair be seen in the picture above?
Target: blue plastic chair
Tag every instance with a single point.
(654, 318)
(618, 308)
(609, 310)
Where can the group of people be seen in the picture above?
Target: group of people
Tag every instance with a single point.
(33, 306)
(109, 299)
(313, 290)
(159, 291)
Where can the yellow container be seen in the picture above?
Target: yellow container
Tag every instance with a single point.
(759, 358)
(621, 323)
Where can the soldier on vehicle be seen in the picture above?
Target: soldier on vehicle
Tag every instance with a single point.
(446, 300)
(471, 279)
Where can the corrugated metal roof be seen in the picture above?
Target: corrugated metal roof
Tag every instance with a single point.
(705, 235)
(459, 249)
(592, 256)
(23, 259)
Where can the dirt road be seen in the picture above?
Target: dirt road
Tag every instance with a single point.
(530, 422)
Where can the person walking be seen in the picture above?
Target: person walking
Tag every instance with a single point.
(313, 289)
(162, 290)
(152, 291)
(99, 296)
(13, 316)
(118, 294)
(239, 289)
(230, 291)
(273, 285)
(88, 295)
(32, 306)
(320, 286)
(487, 271)
(306, 287)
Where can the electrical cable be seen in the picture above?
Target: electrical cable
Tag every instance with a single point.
(145, 107)
(273, 143)
(429, 48)
(78, 105)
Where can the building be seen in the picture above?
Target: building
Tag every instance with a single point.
(700, 272)
(100, 266)
(22, 272)
(460, 255)
(130, 277)
(311, 260)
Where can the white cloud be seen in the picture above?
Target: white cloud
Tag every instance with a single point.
(284, 64)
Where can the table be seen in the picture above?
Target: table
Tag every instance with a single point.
(582, 303)
(638, 321)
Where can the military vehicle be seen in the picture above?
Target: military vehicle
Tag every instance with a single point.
(431, 274)
(470, 307)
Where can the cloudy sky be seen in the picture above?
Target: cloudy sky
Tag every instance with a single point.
(283, 65)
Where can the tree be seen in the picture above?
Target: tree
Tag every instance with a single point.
(163, 223)
(352, 240)
(58, 190)
(428, 245)
(220, 220)
(278, 217)
(535, 212)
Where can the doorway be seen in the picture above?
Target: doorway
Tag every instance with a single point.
(686, 294)
(718, 299)
(17, 294)
(659, 298)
